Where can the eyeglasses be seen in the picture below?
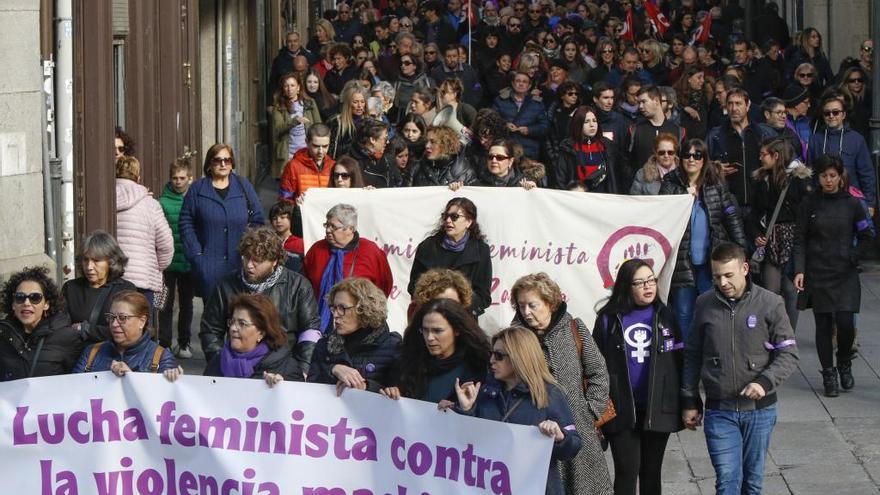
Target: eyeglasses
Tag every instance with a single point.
(855, 80)
(496, 158)
(221, 160)
(405, 25)
(21, 297)
(333, 228)
(607, 50)
(238, 323)
(641, 284)
(121, 318)
(340, 309)
(427, 332)
(777, 112)
(341, 175)
(695, 155)
(644, 50)
(452, 216)
(498, 355)
(805, 75)
(406, 62)
(430, 52)
(571, 93)
(832, 113)
(867, 49)
(665, 152)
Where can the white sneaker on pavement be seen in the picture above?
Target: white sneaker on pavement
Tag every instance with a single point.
(184, 353)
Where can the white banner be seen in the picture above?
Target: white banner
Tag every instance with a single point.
(141, 435)
(578, 239)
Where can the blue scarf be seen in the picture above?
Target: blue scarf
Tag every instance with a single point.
(236, 364)
(457, 247)
(333, 274)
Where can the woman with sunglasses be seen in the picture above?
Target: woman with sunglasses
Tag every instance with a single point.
(664, 160)
(715, 218)
(503, 167)
(606, 56)
(856, 85)
(443, 343)
(131, 347)
(410, 75)
(643, 349)
(839, 139)
(36, 338)
(359, 351)
(216, 211)
(520, 390)
(810, 51)
(805, 76)
(346, 174)
(257, 345)
(458, 244)
(567, 99)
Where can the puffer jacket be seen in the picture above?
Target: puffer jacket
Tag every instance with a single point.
(725, 222)
(291, 294)
(143, 234)
(301, 173)
(277, 361)
(373, 352)
(456, 168)
(531, 114)
(53, 343)
(138, 357)
(171, 203)
(379, 173)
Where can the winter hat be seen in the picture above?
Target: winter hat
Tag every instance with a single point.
(794, 95)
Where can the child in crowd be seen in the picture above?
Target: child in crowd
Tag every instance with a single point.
(281, 215)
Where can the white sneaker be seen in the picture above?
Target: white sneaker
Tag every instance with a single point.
(184, 353)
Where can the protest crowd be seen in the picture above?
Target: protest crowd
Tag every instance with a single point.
(627, 97)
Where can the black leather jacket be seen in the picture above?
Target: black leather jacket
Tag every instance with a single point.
(442, 172)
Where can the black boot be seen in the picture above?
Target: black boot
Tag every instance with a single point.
(846, 378)
(829, 381)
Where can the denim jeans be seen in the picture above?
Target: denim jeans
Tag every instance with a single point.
(682, 299)
(738, 443)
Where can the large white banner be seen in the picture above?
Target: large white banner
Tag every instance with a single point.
(141, 435)
(578, 239)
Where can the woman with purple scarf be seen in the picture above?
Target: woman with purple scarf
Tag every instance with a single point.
(257, 344)
(457, 244)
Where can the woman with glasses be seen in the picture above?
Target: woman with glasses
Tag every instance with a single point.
(568, 99)
(805, 76)
(715, 218)
(442, 344)
(359, 351)
(216, 211)
(503, 167)
(458, 244)
(664, 160)
(346, 174)
(256, 345)
(839, 139)
(540, 307)
(36, 338)
(586, 156)
(130, 348)
(643, 349)
(449, 95)
(810, 51)
(651, 54)
(855, 83)
(606, 56)
(410, 76)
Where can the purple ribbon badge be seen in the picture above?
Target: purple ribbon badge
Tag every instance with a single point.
(752, 321)
(370, 367)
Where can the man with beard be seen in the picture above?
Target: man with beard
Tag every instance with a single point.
(263, 272)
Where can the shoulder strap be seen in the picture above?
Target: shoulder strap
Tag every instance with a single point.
(92, 354)
(578, 343)
(247, 198)
(36, 357)
(99, 304)
(512, 408)
(776, 210)
(157, 355)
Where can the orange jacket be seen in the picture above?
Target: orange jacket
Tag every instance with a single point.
(301, 173)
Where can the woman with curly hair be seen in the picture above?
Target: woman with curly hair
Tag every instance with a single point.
(36, 338)
(440, 283)
(359, 352)
(443, 163)
(443, 344)
(294, 111)
(459, 244)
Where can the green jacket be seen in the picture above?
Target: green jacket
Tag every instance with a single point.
(281, 124)
(171, 203)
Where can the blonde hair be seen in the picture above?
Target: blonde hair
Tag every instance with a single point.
(447, 140)
(371, 305)
(346, 119)
(527, 359)
(546, 288)
(328, 28)
(128, 167)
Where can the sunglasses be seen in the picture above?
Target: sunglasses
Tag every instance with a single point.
(571, 93)
(406, 62)
(608, 50)
(21, 297)
(221, 159)
(832, 113)
(120, 148)
(451, 216)
(430, 52)
(665, 152)
(867, 49)
(855, 80)
(342, 175)
(405, 24)
(496, 158)
(805, 75)
(498, 355)
(534, 11)
(695, 155)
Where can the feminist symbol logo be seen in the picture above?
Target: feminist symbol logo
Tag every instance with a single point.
(638, 336)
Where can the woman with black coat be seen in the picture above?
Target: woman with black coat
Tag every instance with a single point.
(458, 244)
(643, 349)
(715, 218)
(360, 352)
(36, 338)
(376, 167)
(826, 267)
(586, 157)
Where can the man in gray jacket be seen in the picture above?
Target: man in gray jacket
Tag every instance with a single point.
(742, 348)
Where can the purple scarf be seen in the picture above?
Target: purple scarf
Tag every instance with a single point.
(236, 364)
(457, 247)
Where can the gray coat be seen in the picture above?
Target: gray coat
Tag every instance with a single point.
(727, 350)
(647, 180)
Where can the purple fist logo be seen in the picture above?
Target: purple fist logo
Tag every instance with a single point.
(629, 243)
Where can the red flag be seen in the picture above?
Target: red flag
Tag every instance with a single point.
(628, 32)
(701, 34)
(658, 21)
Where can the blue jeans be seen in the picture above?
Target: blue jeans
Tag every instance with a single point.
(738, 443)
(682, 299)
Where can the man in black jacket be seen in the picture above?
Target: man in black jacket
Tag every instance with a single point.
(639, 146)
(283, 62)
(263, 272)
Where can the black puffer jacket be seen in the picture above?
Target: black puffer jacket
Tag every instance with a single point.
(456, 168)
(293, 297)
(277, 361)
(725, 222)
(663, 412)
(375, 353)
(377, 173)
(59, 347)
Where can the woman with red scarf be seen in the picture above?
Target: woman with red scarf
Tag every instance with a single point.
(587, 157)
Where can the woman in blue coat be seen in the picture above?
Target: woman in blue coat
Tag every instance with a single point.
(216, 211)
(521, 390)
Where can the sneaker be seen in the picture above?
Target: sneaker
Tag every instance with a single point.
(184, 352)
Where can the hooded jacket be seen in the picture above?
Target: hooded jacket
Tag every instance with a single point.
(850, 146)
(143, 234)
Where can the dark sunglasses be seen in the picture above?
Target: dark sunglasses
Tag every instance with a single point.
(805, 74)
(608, 50)
(855, 80)
(406, 62)
(695, 155)
(571, 93)
(430, 52)
(499, 356)
(451, 216)
(221, 159)
(342, 175)
(491, 157)
(832, 113)
(21, 297)
(665, 153)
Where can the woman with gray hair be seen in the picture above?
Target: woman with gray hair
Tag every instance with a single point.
(88, 296)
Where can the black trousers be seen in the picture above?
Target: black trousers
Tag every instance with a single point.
(184, 285)
(846, 334)
(638, 456)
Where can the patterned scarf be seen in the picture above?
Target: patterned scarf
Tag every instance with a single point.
(265, 285)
